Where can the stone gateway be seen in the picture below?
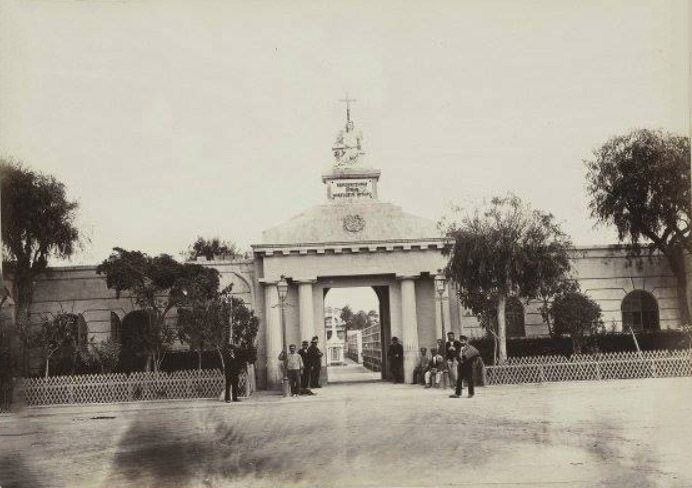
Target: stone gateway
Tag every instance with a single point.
(354, 240)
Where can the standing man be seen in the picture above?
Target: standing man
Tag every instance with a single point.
(232, 366)
(452, 348)
(395, 355)
(305, 378)
(467, 357)
(294, 367)
(315, 363)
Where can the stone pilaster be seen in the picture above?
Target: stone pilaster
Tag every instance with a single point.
(305, 309)
(409, 324)
(273, 337)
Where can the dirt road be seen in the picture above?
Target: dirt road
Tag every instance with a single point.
(630, 433)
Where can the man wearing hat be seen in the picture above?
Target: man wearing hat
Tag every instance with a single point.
(468, 355)
(395, 355)
(305, 378)
(232, 365)
(451, 354)
(315, 363)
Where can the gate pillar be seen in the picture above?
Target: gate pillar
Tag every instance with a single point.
(409, 324)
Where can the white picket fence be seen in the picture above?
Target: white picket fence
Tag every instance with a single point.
(595, 367)
(134, 387)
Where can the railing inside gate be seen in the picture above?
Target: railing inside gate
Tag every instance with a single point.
(372, 348)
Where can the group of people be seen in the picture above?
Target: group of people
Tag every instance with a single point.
(303, 367)
(454, 357)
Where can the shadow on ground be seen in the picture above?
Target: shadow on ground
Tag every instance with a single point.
(218, 448)
(18, 472)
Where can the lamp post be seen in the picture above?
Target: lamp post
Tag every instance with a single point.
(282, 286)
(440, 285)
(228, 301)
(230, 320)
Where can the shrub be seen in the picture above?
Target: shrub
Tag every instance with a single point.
(608, 342)
(103, 355)
(183, 360)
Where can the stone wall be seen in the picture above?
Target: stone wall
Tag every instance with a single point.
(603, 273)
(79, 290)
(607, 276)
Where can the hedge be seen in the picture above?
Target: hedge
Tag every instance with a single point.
(609, 342)
(172, 361)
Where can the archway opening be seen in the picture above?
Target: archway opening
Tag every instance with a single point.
(356, 332)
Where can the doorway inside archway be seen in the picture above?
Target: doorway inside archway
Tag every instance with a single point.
(356, 325)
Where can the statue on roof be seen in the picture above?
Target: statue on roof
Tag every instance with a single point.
(348, 148)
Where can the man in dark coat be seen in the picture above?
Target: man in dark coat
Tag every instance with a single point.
(305, 378)
(466, 359)
(451, 352)
(395, 355)
(315, 363)
(233, 366)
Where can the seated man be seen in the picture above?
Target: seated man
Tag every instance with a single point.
(421, 367)
(436, 366)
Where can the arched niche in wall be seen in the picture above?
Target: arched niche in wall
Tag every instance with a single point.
(640, 311)
(514, 318)
(133, 331)
(116, 327)
(241, 286)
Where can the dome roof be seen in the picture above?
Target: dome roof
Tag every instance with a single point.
(365, 221)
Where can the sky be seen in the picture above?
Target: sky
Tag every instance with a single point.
(167, 120)
(359, 298)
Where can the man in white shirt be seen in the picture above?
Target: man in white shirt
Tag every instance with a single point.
(294, 368)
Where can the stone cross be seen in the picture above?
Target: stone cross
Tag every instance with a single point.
(348, 101)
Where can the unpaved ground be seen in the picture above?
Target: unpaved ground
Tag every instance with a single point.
(351, 372)
(631, 433)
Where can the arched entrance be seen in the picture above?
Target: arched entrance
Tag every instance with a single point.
(356, 326)
(350, 240)
(407, 310)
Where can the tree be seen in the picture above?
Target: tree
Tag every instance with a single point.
(356, 320)
(245, 328)
(37, 223)
(157, 285)
(508, 249)
(204, 325)
(212, 248)
(196, 327)
(104, 354)
(360, 321)
(640, 183)
(346, 315)
(54, 334)
(576, 315)
(547, 293)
